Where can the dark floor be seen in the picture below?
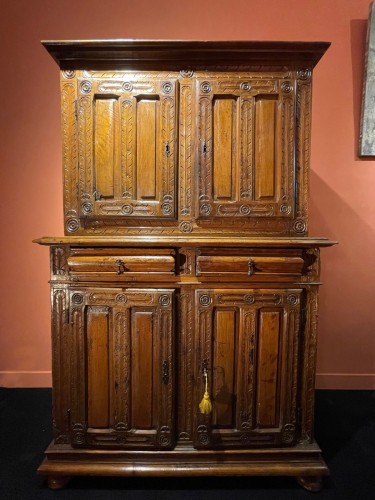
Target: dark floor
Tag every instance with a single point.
(345, 430)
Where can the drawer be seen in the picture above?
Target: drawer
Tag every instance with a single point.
(122, 263)
(254, 265)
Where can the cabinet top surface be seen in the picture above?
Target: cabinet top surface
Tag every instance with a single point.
(121, 52)
(127, 241)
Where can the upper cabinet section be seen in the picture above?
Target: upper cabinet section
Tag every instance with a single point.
(186, 137)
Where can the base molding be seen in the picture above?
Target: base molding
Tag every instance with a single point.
(301, 460)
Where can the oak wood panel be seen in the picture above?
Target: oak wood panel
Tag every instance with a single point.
(147, 133)
(265, 148)
(225, 339)
(98, 363)
(142, 361)
(224, 154)
(268, 368)
(106, 167)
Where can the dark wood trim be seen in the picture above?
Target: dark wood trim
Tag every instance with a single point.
(74, 54)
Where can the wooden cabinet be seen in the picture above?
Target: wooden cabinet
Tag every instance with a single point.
(185, 267)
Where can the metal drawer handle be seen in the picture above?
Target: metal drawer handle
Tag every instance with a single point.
(120, 266)
(251, 266)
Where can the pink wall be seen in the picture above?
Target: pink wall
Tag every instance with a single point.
(342, 189)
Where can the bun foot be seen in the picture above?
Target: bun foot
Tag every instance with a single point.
(58, 482)
(310, 483)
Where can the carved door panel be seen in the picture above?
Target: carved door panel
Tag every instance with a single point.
(247, 342)
(121, 368)
(127, 145)
(245, 142)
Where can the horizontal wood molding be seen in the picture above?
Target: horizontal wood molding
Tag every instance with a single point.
(158, 241)
(72, 54)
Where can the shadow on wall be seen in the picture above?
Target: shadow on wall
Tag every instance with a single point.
(358, 33)
(347, 300)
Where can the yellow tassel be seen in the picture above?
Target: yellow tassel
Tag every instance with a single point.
(205, 405)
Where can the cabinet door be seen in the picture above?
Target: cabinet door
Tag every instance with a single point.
(126, 145)
(247, 342)
(121, 367)
(245, 147)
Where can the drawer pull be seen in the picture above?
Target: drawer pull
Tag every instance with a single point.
(120, 266)
(251, 267)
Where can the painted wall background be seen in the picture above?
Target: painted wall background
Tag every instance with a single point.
(342, 186)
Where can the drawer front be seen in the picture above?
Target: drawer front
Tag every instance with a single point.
(250, 265)
(122, 263)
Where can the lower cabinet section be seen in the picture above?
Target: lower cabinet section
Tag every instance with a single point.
(132, 361)
(116, 367)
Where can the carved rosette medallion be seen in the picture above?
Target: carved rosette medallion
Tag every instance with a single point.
(203, 436)
(249, 299)
(287, 87)
(205, 300)
(292, 299)
(167, 87)
(285, 209)
(77, 298)
(127, 209)
(245, 86)
(85, 87)
(304, 74)
(187, 73)
(186, 226)
(166, 208)
(205, 209)
(127, 87)
(165, 436)
(122, 298)
(87, 207)
(78, 434)
(164, 300)
(288, 433)
(245, 210)
(69, 73)
(299, 226)
(206, 87)
(72, 225)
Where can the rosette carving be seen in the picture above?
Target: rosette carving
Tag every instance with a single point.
(206, 87)
(127, 87)
(72, 225)
(85, 87)
(186, 226)
(167, 87)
